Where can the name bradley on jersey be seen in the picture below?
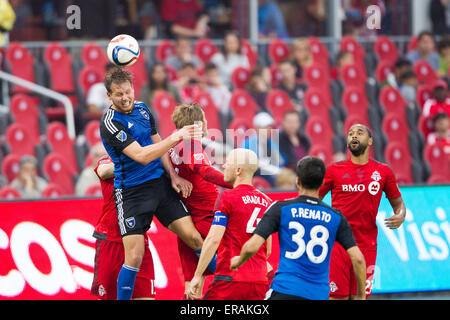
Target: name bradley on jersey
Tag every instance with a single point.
(255, 200)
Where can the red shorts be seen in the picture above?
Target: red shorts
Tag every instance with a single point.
(109, 258)
(342, 277)
(236, 290)
(188, 257)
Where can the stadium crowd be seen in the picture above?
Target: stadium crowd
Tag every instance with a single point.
(297, 85)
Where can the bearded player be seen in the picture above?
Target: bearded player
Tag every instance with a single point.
(238, 212)
(356, 188)
(109, 252)
(192, 163)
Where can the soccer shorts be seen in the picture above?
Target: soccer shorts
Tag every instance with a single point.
(342, 277)
(274, 295)
(188, 257)
(109, 258)
(137, 205)
(236, 290)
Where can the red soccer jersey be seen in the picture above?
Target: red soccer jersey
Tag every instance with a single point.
(244, 206)
(356, 190)
(107, 224)
(192, 163)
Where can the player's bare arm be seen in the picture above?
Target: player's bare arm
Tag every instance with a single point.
(359, 267)
(178, 183)
(145, 155)
(106, 171)
(248, 250)
(399, 213)
(209, 248)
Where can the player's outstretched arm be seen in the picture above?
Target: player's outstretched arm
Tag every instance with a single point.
(397, 219)
(359, 267)
(248, 250)
(105, 171)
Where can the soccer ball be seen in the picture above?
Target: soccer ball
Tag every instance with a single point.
(123, 50)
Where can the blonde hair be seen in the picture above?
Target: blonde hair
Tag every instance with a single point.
(187, 114)
(286, 177)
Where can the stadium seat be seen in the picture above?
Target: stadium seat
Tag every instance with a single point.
(355, 101)
(278, 50)
(322, 152)
(53, 190)
(164, 49)
(276, 75)
(59, 142)
(353, 119)
(392, 100)
(319, 131)
(58, 171)
(412, 44)
(19, 140)
(316, 76)
(383, 69)
(89, 76)
(425, 125)
(252, 54)
(94, 55)
(315, 103)
(278, 102)
(92, 132)
(261, 183)
(243, 105)
(9, 193)
(349, 43)
(423, 93)
(25, 111)
(425, 73)
(351, 75)
(94, 190)
(399, 158)
(205, 49)
(210, 109)
(385, 49)
(395, 128)
(20, 63)
(319, 52)
(240, 77)
(439, 164)
(171, 73)
(238, 130)
(164, 105)
(10, 166)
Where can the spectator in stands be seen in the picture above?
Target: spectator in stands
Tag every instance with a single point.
(441, 134)
(286, 180)
(28, 183)
(439, 102)
(230, 57)
(301, 55)
(400, 67)
(97, 100)
(408, 86)
(258, 87)
(88, 177)
(184, 18)
(444, 56)
(183, 54)
(188, 83)
(438, 16)
(425, 50)
(293, 144)
(158, 81)
(270, 20)
(265, 146)
(218, 91)
(343, 58)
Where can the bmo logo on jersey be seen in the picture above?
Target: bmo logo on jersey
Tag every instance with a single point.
(353, 187)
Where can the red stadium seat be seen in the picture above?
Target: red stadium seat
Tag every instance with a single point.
(399, 158)
(348, 43)
(423, 93)
(237, 130)
(94, 55)
(316, 76)
(392, 100)
(425, 125)
(435, 157)
(59, 172)
(11, 166)
(25, 111)
(53, 190)
(89, 76)
(276, 75)
(412, 45)
(315, 103)
(20, 62)
(355, 101)
(322, 152)
(94, 190)
(19, 140)
(164, 49)
(210, 109)
(278, 50)
(278, 102)
(319, 52)
(59, 141)
(164, 105)
(383, 69)
(319, 132)
(385, 49)
(92, 132)
(242, 104)
(252, 54)
(205, 49)
(351, 75)
(171, 73)
(9, 193)
(240, 77)
(425, 72)
(353, 119)
(261, 183)
(395, 128)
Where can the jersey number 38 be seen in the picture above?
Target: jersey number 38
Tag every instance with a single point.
(319, 236)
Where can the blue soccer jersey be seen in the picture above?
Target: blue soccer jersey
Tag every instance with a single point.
(307, 229)
(118, 130)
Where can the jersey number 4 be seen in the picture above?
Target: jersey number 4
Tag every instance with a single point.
(309, 247)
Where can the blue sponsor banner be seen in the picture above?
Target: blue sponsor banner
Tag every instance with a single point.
(414, 257)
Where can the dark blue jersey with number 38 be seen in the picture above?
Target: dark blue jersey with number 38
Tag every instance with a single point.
(307, 229)
(118, 130)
